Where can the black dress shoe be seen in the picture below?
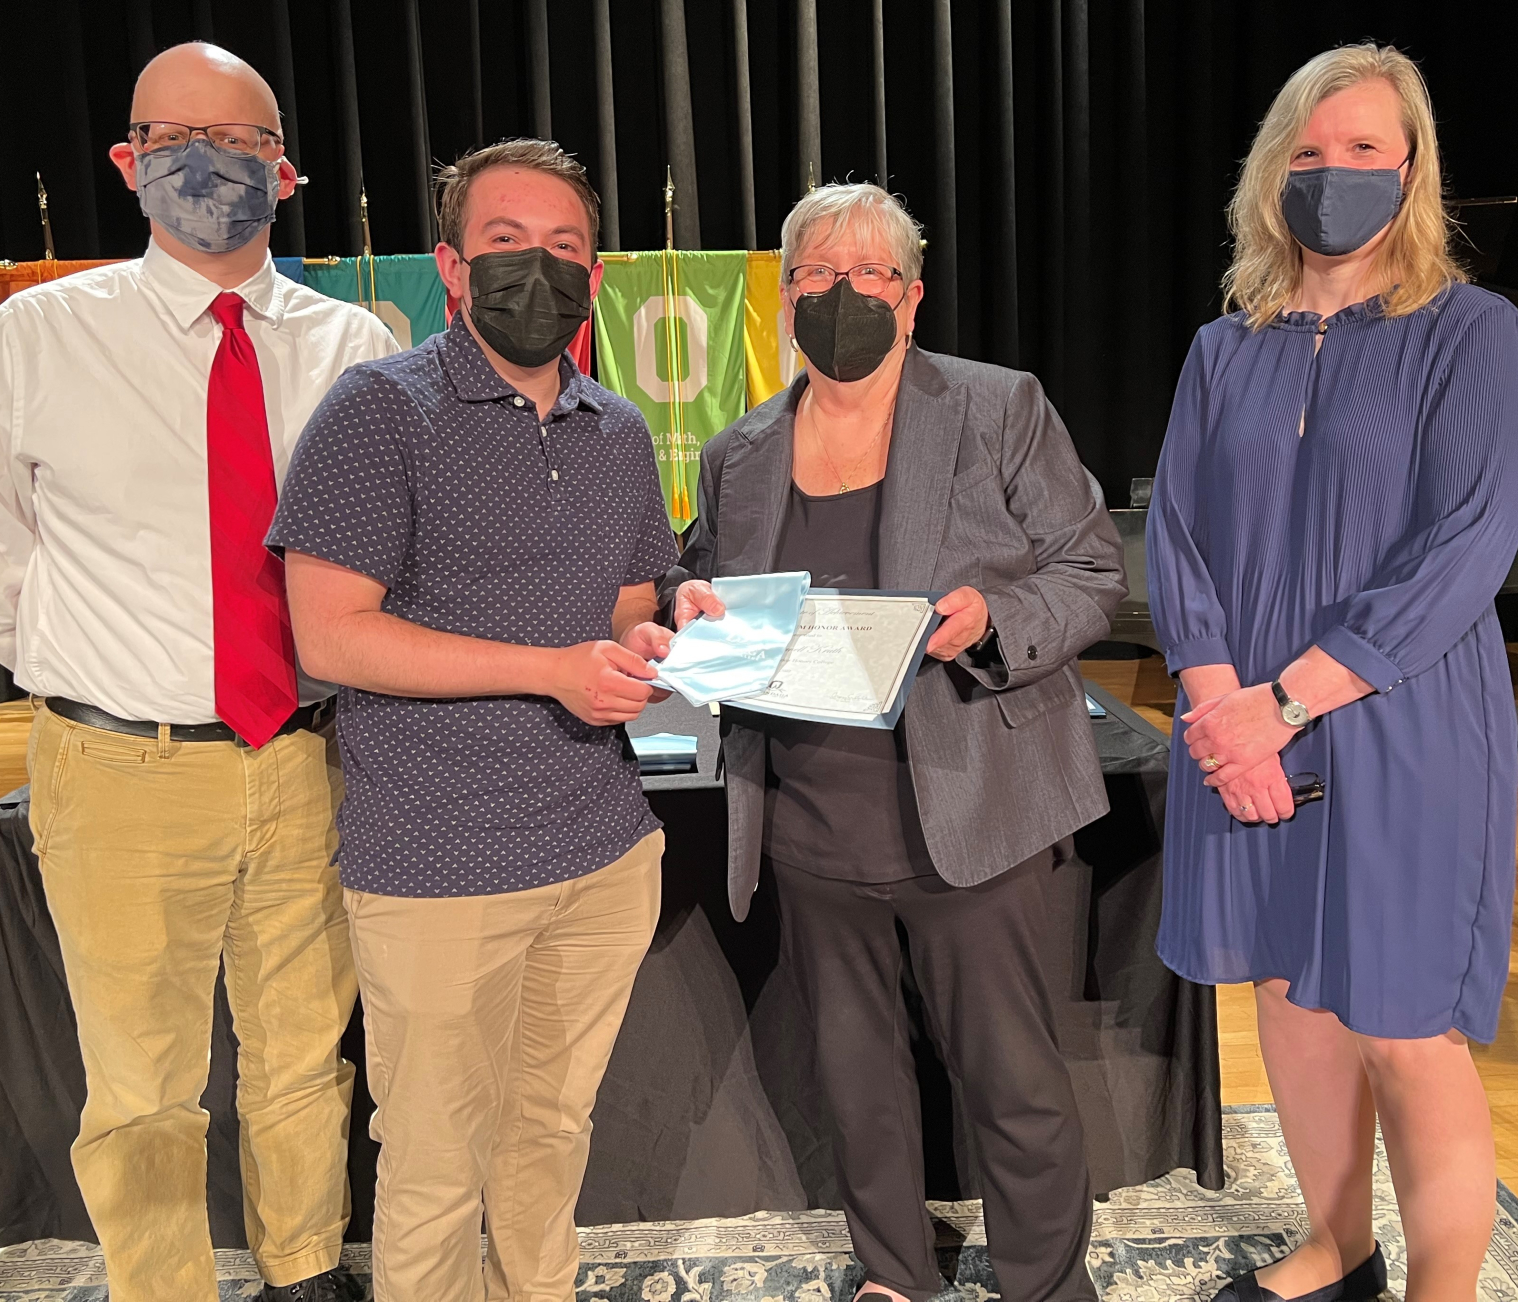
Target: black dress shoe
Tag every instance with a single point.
(335, 1285)
(1364, 1283)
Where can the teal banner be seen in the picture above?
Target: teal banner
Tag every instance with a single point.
(403, 290)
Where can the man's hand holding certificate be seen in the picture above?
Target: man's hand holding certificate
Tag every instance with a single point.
(848, 657)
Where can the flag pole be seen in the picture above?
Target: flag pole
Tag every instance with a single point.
(669, 208)
(50, 253)
(363, 214)
(679, 498)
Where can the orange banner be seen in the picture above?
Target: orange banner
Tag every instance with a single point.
(16, 276)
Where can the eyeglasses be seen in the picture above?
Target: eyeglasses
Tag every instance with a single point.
(873, 278)
(1305, 788)
(235, 139)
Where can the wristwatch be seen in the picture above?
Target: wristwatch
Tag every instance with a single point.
(1293, 713)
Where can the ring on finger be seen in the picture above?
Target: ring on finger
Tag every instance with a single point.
(1211, 762)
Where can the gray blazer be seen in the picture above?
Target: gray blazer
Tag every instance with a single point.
(983, 488)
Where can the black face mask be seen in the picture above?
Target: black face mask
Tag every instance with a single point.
(845, 334)
(527, 304)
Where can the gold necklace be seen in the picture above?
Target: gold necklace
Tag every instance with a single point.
(843, 482)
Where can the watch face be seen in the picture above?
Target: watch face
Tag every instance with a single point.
(1295, 714)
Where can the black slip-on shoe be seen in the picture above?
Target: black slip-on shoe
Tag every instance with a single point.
(335, 1285)
(1364, 1283)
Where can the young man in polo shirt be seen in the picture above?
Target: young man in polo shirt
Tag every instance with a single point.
(471, 532)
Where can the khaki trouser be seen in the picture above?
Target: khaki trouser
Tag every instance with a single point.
(159, 859)
(490, 1020)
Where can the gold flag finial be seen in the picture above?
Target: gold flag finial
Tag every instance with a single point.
(669, 207)
(50, 253)
(367, 255)
(811, 178)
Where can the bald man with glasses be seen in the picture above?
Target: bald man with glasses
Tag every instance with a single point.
(184, 773)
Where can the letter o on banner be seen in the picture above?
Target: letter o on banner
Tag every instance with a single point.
(647, 351)
(398, 321)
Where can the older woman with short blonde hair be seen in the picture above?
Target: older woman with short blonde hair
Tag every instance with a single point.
(1335, 508)
(884, 466)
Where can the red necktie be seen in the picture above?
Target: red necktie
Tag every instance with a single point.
(255, 654)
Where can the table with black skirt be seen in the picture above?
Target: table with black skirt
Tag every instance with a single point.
(710, 1105)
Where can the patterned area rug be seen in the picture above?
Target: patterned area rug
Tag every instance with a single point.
(1162, 1242)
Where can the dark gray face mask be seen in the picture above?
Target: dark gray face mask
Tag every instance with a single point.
(206, 199)
(527, 304)
(1336, 210)
(845, 334)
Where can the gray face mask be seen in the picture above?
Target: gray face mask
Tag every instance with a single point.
(1336, 210)
(206, 199)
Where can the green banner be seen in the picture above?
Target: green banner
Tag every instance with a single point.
(403, 290)
(688, 380)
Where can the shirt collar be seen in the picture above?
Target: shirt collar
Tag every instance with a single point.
(476, 380)
(188, 295)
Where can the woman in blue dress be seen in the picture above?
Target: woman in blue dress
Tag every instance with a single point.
(1335, 508)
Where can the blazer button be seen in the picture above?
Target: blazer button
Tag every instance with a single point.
(1032, 653)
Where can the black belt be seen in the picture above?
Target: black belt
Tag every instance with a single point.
(308, 717)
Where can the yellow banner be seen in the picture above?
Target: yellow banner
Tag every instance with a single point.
(771, 362)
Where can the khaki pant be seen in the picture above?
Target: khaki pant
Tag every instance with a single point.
(160, 859)
(490, 1021)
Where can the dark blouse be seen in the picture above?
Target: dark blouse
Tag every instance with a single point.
(840, 801)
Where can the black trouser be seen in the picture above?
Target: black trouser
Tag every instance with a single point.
(975, 955)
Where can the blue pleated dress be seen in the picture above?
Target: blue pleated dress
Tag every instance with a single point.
(1381, 534)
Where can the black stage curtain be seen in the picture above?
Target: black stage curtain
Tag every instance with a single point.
(1069, 159)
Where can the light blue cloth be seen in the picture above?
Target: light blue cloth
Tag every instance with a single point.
(737, 655)
(665, 746)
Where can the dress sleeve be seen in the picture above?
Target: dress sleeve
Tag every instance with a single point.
(1436, 582)
(1182, 599)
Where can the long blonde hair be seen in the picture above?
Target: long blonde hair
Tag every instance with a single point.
(1413, 264)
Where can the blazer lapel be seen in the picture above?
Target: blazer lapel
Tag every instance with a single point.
(756, 481)
(925, 434)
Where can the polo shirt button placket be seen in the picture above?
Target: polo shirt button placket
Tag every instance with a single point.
(553, 470)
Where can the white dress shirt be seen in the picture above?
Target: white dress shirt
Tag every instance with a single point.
(105, 549)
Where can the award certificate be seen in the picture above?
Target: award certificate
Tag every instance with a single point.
(852, 659)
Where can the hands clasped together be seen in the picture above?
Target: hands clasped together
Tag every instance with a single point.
(1237, 738)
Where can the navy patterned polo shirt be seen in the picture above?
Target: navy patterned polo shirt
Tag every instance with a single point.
(429, 473)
